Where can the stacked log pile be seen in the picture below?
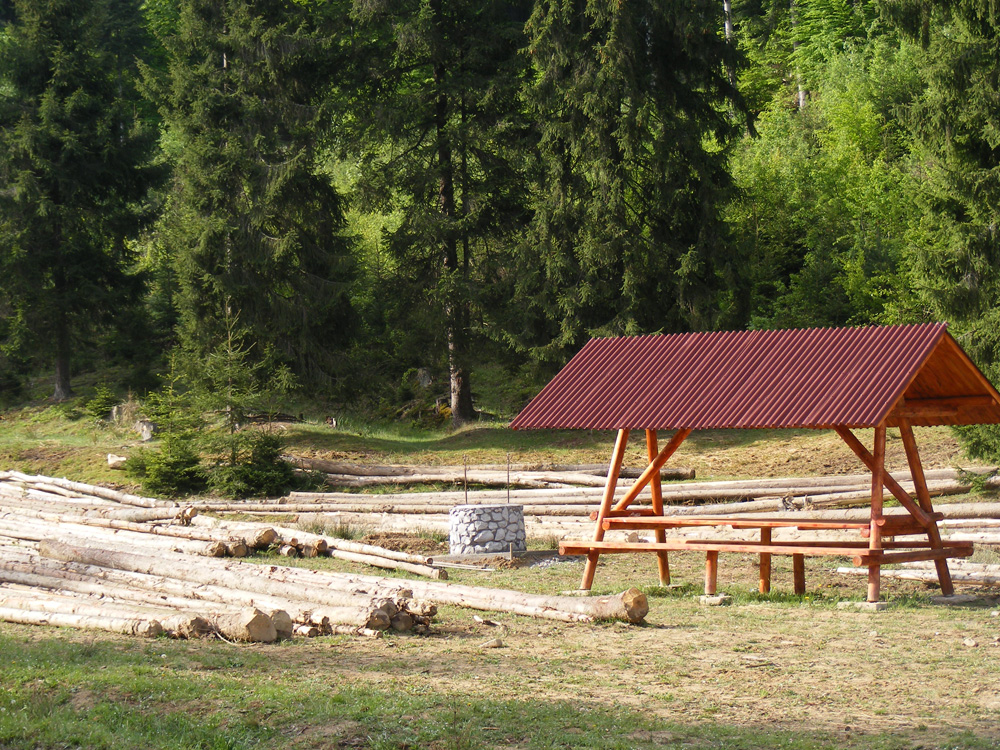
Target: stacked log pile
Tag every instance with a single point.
(83, 556)
(962, 571)
(538, 476)
(568, 512)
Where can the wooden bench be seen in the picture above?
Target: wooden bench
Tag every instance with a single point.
(891, 551)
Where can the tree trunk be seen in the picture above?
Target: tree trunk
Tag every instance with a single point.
(801, 98)
(63, 388)
(461, 391)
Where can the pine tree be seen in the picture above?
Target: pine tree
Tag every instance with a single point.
(253, 228)
(73, 173)
(634, 105)
(436, 124)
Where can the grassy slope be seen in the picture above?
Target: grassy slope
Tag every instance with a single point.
(63, 440)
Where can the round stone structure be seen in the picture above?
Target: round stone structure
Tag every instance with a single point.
(485, 529)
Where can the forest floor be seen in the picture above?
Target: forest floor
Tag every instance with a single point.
(768, 671)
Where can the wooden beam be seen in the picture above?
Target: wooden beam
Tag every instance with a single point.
(923, 408)
(662, 557)
(614, 468)
(875, 531)
(653, 468)
(920, 486)
(959, 353)
(890, 484)
(953, 549)
(845, 549)
(679, 522)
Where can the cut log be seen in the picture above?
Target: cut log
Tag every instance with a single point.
(284, 626)
(144, 627)
(630, 606)
(930, 576)
(250, 626)
(234, 575)
(385, 563)
(187, 626)
(21, 527)
(363, 470)
(175, 593)
(96, 491)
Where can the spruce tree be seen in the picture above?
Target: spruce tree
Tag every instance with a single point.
(73, 174)
(436, 124)
(253, 229)
(633, 102)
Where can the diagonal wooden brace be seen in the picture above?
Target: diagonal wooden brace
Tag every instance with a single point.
(654, 468)
(922, 516)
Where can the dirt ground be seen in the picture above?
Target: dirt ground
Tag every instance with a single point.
(920, 670)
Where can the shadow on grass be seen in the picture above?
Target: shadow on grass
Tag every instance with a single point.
(123, 695)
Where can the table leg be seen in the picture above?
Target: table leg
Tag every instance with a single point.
(711, 572)
(799, 573)
(765, 562)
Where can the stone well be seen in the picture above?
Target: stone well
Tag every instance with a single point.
(490, 529)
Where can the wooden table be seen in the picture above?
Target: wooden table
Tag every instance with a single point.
(858, 551)
(878, 544)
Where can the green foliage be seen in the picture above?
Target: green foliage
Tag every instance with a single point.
(823, 206)
(73, 175)
(954, 240)
(634, 113)
(251, 226)
(239, 393)
(253, 467)
(174, 469)
(102, 402)
(437, 127)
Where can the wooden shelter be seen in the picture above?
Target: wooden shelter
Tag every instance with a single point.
(834, 378)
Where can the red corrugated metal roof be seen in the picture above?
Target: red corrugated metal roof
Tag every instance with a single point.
(817, 377)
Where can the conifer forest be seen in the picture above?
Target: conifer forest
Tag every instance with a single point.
(373, 201)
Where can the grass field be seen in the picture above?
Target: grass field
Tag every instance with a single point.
(776, 671)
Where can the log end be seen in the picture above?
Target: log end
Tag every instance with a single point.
(250, 625)
(187, 626)
(283, 624)
(636, 605)
(149, 628)
(378, 620)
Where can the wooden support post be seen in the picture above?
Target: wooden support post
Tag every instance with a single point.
(711, 572)
(614, 469)
(890, 484)
(765, 562)
(924, 497)
(589, 570)
(662, 556)
(653, 468)
(875, 529)
(799, 574)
